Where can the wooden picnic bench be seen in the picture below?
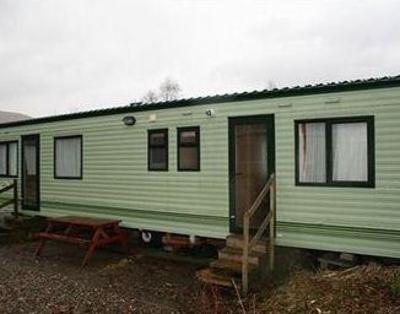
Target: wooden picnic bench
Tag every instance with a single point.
(84, 231)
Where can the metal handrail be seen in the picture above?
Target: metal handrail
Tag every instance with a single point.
(14, 200)
(269, 220)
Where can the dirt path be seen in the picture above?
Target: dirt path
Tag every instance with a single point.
(56, 283)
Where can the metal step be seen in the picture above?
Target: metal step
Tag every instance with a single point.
(234, 254)
(209, 276)
(236, 241)
(233, 266)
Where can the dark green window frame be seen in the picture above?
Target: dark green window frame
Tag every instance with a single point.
(195, 144)
(370, 122)
(61, 138)
(7, 145)
(151, 146)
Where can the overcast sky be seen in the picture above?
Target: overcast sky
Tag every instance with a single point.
(63, 56)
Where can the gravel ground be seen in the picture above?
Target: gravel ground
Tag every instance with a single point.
(115, 283)
(112, 283)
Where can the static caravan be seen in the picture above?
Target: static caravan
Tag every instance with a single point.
(196, 166)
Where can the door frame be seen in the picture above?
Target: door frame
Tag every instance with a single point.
(24, 138)
(269, 120)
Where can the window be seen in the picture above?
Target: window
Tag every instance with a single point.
(335, 152)
(9, 159)
(68, 157)
(312, 152)
(189, 149)
(157, 153)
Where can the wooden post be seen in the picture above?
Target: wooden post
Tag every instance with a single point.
(272, 227)
(15, 198)
(245, 257)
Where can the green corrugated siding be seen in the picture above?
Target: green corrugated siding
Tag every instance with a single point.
(116, 181)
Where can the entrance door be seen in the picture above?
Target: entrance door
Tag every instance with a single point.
(30, 172)
(252, 161)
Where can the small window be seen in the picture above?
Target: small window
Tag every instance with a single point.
(189, 149)
(158, 150)
(3, 160)
(335, 152)
(9, 159)
(68, 157)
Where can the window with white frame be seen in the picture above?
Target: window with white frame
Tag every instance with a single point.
(335, 152)
(68, 157)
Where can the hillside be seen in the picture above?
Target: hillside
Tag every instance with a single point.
(6, 116)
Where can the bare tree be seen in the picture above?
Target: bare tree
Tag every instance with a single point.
(169, 90)
(150, 96)
(272, 85)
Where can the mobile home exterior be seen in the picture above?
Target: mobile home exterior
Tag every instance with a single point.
(175, 166)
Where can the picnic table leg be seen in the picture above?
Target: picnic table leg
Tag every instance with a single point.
(42, 242)
(68, 229)
(123, 237)
(92, 246)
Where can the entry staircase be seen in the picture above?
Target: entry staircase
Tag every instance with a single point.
(246, 254)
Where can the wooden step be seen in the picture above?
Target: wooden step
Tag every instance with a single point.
(233, 254)
(236, 241)
(207, 275)
(233, 266)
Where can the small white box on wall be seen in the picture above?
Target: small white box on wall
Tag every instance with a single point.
(152, 117)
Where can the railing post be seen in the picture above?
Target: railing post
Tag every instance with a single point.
(245, 257)
(272, 226)
(15, 198)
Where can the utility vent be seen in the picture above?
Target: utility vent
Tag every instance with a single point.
(287, 105)
(332, 101)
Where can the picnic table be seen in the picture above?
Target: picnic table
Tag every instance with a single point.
(84, 231)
